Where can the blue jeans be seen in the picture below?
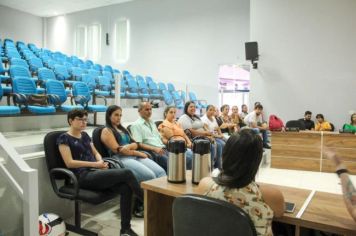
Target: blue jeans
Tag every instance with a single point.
(189, 158)
(264, 135)
(143, 168)
(220, 144)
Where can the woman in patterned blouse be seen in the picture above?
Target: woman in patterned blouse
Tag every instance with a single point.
(236, 182)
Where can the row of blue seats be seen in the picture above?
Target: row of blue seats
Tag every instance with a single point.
(56, 96)
(70, 69)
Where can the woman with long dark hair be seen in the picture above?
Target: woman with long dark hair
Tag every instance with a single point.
(236, 184)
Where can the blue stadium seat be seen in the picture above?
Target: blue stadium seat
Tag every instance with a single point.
(177, 100)
(77, 73)
(23, 86)
(162, 87)
(90, 82)
(183, 95)
(94, 73)
(104, 86)
(82, 97)
(171, 87)
(132, 89)
(8, 110)
(123, 87)
(45, 74)
(97, 67)
(148, 79)
(35, 64)
(61, 72)
(4, 71)
(167, 98)
(19, 62)
(143, 89)
(57, 95)
(197, 102)
(108, 68)
(154, 91)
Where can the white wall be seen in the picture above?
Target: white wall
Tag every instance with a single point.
(179, 41)
(20, 26)
(307, 57)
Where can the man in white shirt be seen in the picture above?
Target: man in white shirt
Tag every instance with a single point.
(254, 120)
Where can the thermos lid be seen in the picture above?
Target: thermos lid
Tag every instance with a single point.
(176, 146)
(201, 146)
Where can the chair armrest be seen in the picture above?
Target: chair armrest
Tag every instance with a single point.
(103, 97)
(54, 99)
(62, 171)
(19, 99)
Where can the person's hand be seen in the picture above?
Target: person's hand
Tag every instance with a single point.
(158, 150)
(331, 155)
(101, 165)
(141, 154)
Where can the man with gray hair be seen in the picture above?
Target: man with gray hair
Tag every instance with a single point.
(145, 133)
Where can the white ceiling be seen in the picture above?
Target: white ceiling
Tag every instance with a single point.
(48, 8)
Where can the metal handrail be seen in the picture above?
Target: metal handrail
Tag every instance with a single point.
(24, 180)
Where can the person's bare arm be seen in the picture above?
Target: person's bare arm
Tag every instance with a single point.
(147, 147)
(108, 138)
(273, 198)
(348, 189)
(166, 134)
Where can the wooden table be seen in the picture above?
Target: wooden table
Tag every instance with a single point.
(325, 212)
(304, 150)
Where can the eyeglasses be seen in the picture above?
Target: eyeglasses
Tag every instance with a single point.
(85, 120)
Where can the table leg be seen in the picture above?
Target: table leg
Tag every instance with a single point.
(158, 214)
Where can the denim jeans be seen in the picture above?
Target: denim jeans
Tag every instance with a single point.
(264, 135)
(143, 168)
(220, 144)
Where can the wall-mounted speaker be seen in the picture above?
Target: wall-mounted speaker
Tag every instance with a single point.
(251, 49)
(107, 39)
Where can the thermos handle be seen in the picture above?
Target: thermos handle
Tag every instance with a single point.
(173, 137)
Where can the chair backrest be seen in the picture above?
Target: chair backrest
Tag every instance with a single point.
(18, 62)
(108, 68)
(35, 63)
(61, 72)
(161, 86)
(295, 124)
(194, 215)
(52, 154)
(167, 97)
(81, 89)
(100, 147)
(19, 71)
(192, 97)
(24, 85)
(57, 88)
(170, 87)
(46, 74)
(332, 126)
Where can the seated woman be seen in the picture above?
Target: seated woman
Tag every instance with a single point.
(213, 127)
(352, 125)
(321, 124)
(236, 119)
(169, 128)
(236, 182)
(224, 121)
(119, 143)
(190, 121)
(81, 157)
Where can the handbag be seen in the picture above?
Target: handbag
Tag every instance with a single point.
(114, 163)
(37, 100)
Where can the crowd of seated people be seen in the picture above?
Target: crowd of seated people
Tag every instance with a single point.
(142, 149)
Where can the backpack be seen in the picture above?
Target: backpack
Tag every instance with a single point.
(275, 123)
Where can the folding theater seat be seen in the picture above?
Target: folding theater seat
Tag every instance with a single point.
(8, 110)
(197, 102)
(57, 95)
(82, 96)
(23, 87)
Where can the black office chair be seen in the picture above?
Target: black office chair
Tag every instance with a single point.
(70, 189)
(332, 127)
(201, 215)
(295, 124)
(158, 122)
(100, 147)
